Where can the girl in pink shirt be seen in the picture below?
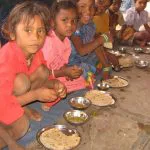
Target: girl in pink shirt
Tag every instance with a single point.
(23, 74)
(57, 47)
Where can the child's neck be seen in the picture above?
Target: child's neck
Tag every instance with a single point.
(61, 37)
(137, 11)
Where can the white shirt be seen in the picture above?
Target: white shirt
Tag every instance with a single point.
(133, 18)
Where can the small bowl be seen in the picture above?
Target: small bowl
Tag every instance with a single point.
(76, 117)
(103, 86)
(80, 102)
(122, 49)
(141, 63)
(146, 50)
(63, 128)
(148, 43)
(138, 49)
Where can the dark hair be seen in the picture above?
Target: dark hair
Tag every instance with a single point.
(25, 10)
(61, 4)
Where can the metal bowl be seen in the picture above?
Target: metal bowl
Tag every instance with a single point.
(76, 117)
(138, 49)
(80, 102)
(63, 128)
(141, 63)
(148, 43)
(103, 86)
(122, 49)
(146, 50)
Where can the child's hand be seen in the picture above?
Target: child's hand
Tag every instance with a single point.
(60, 89)
(45, 95)
(73, 72)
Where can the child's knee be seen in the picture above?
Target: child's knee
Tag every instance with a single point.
(43, 72)
(20, 127)
(22, 84)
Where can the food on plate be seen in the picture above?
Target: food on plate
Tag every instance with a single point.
(126, 61)
(116, 81)
(55, 139)
(99, 98)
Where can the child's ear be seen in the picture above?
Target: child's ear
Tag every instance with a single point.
(52, 24)
(12, 36)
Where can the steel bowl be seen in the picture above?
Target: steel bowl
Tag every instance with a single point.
(103, 86)
(80, 102)
(122, 49)
(148, 43)
(141, 63)
(146, 50)
(138, 49)
(63, 128)
(76, 117)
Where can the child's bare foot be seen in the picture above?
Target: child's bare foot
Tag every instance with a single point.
(45, 107)
(32, 114)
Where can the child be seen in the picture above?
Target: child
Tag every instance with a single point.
(115, 17)
(23, 75)
(57, 47)
(135, 17)
(101, 18)
(86, 48)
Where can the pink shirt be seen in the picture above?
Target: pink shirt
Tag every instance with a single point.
(12, 62)
(56, 53)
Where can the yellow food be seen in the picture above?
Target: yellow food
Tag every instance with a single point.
(57, 140)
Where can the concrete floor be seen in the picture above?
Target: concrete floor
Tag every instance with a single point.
(123, 126)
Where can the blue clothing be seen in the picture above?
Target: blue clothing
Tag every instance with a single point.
(87, 62)
(126, 4)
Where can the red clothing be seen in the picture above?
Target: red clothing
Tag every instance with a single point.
(12, 62)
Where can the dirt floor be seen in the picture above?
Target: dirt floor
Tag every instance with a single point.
(123, 126)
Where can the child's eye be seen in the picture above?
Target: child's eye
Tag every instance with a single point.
(64, 20)
(41, 31)
(27, 30)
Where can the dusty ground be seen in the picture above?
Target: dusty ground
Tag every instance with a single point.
(125, 125)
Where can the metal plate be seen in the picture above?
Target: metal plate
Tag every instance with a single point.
(100, 98)
(110, 82)
(63, 128)
(141, 63)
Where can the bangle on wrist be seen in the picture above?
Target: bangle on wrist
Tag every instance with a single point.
(105, 37)
(106, 69)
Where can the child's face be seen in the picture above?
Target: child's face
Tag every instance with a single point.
(140, 5)
(86, 10)
(65, 23)
(30, 37)
(102, 5)
(115, 6)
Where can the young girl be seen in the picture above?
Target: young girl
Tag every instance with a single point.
(135, 17)
(57, 47)
(23, 75)
(86, 48)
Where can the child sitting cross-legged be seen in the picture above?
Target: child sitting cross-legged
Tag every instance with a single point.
(23, 73)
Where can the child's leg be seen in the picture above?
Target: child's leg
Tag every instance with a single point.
(142, 37)
(22, 85)
(39, 77)
(10, 133)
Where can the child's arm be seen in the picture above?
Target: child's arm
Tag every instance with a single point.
(71, 72)
(147, 27)
(84, 49)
